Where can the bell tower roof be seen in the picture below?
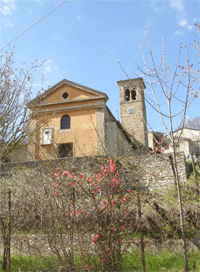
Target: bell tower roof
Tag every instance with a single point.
(132, 83)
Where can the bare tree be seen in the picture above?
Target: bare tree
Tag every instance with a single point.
(15, 92)
(193, 123)
(172, 82)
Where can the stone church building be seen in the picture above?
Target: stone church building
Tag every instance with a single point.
(73, 120)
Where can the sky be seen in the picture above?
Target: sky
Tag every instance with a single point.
(84, 42)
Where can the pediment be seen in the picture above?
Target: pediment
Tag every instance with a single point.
(66, 91)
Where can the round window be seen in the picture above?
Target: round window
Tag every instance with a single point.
(65, 95)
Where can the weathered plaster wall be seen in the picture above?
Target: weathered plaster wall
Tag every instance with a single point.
(192, 134)
(86, 110)
(115, 141)
(150, 140)
(74, 94)
(82, 134)
(100, 131)
(184, 145)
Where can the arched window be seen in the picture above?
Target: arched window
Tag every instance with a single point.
(133, 94)
(127, 95)
(65, 122)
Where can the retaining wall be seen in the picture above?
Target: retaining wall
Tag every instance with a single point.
(153, 170)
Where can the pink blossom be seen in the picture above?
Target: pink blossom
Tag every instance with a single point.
(95, 238)
(105, 205)
(112, 165)
(121, 228)
(89, 180)
(105, 171)
(66, 173)
(82, 175)
(124, 200)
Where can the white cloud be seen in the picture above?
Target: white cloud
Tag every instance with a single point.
(190, 27)
(184, 23)
(7, 6)
(178, 33)
(177, 5)
(155, 6)
(7, 23)
(47, 70)
(78, 17)
(49, 67)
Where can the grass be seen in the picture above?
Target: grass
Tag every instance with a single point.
(165, 261)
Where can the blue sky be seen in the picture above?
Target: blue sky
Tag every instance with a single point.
(83, 40)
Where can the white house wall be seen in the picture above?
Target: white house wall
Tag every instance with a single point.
(191, 134)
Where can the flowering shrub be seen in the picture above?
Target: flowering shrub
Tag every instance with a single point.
(101, 205)
(92, 217)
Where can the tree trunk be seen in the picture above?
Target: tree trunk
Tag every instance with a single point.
(141, 230)
(181, 211)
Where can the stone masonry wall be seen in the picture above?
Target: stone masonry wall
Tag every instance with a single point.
(154, 171)
(39, 245)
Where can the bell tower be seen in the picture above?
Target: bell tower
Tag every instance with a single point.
(133, 110)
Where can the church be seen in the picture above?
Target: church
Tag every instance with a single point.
(71, 120)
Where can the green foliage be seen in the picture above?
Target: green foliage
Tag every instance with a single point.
(191, 174)
(5, 159)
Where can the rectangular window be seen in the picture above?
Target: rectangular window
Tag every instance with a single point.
(65, 150)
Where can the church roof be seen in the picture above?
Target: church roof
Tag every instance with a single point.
(37, 100)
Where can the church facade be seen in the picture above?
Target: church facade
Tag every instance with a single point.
(71, 120)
